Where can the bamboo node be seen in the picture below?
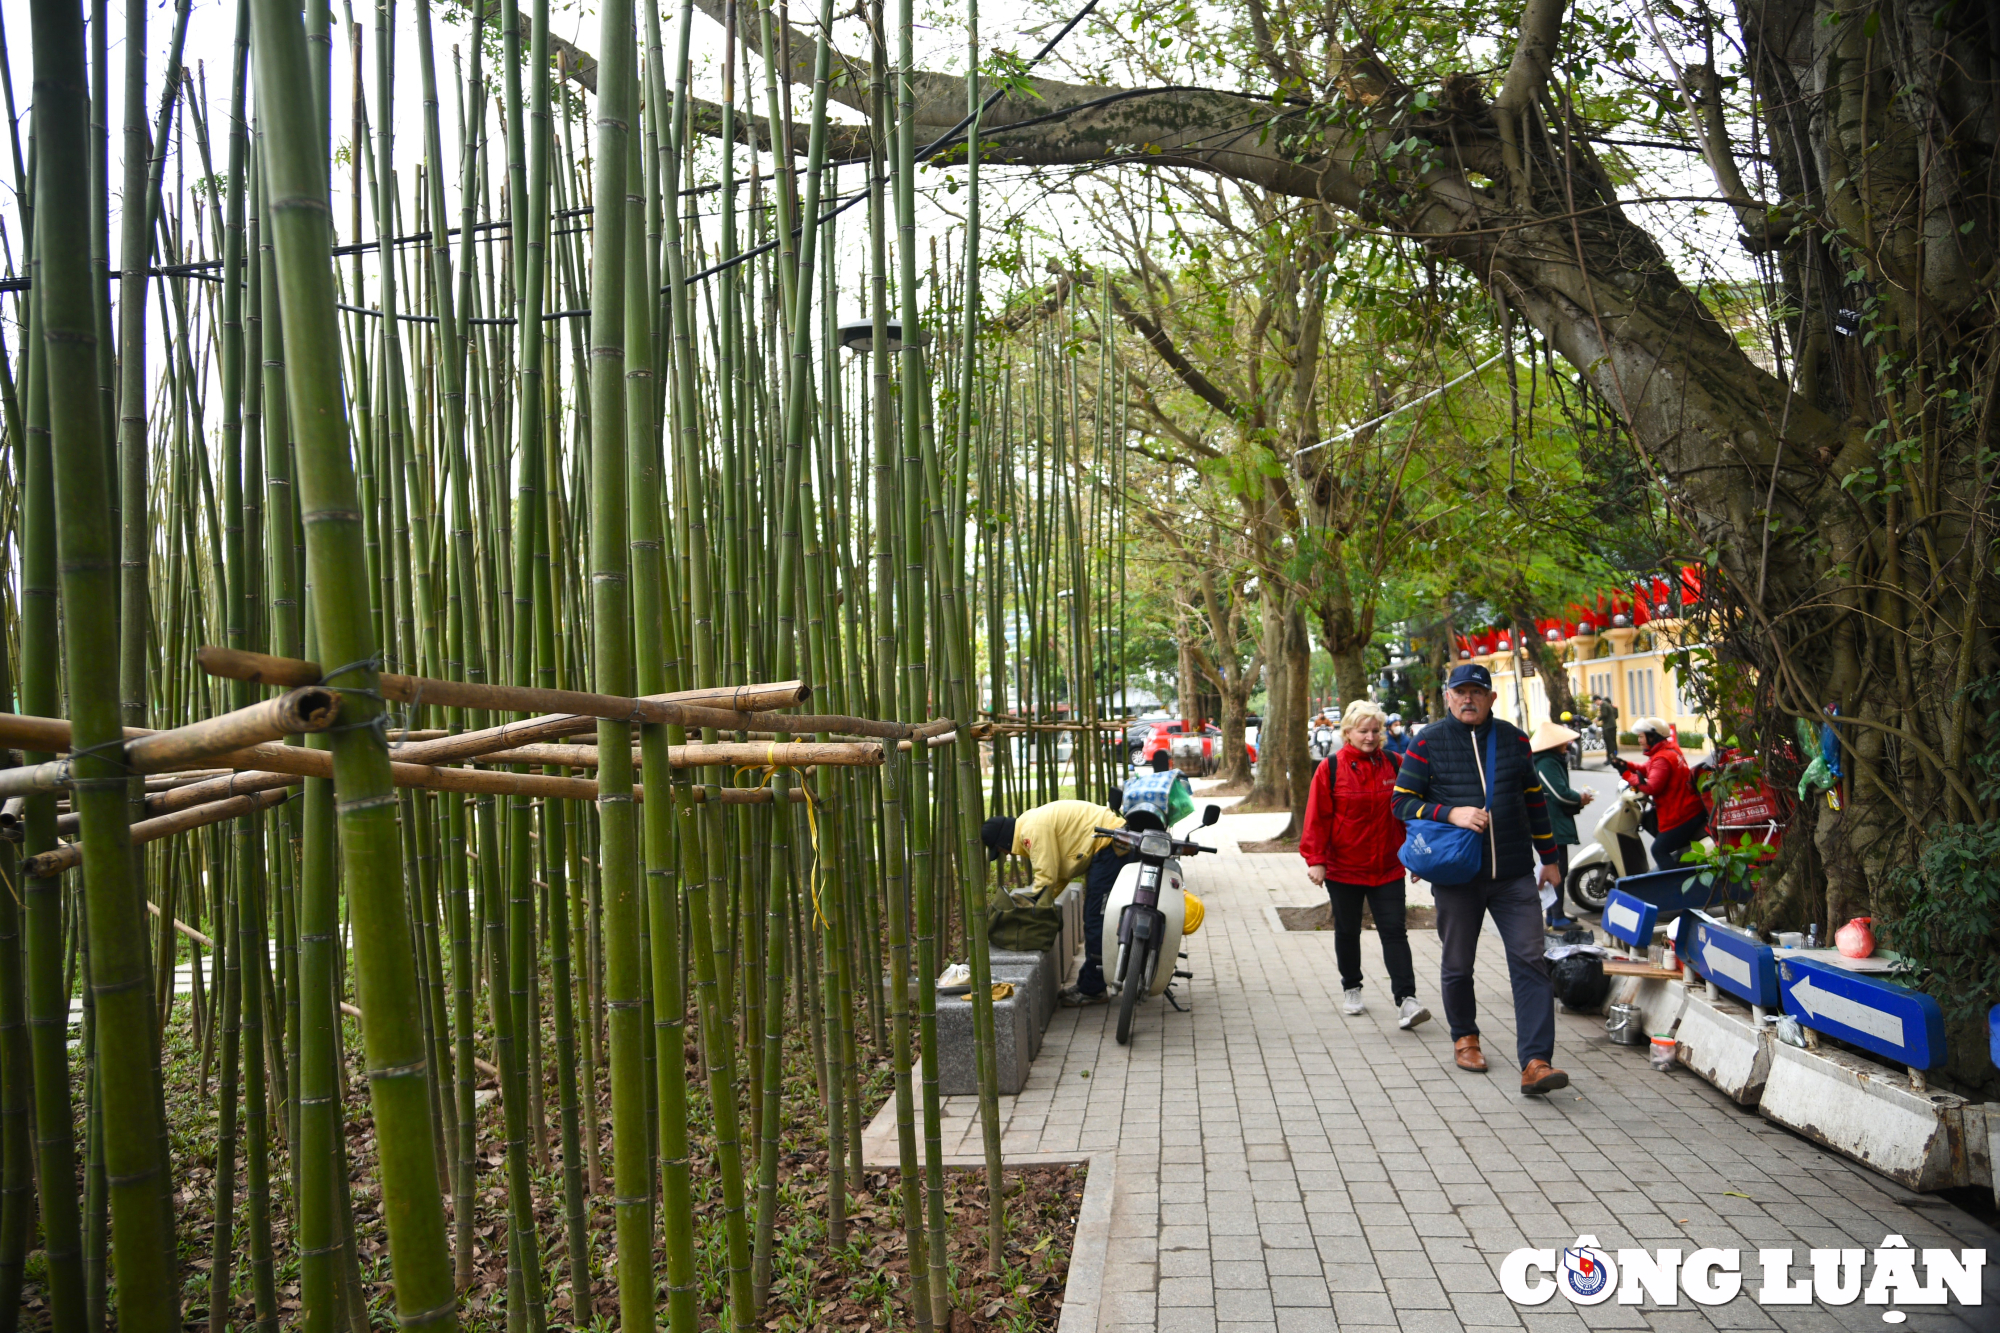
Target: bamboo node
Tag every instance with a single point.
(414, 1069)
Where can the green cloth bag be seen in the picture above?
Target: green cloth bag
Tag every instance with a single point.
(1023, 929)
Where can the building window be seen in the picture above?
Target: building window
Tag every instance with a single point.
(1600, 683)
(1639, 691)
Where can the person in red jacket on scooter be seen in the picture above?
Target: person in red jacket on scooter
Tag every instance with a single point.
(1678, 809)
(1349, 844)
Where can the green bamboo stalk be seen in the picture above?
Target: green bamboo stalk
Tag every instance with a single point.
(17, 1184)
(667, 850)
(612, 643)
(897, 802)
(41, 695)
(86, 540)
(385, 973)
(958, 648)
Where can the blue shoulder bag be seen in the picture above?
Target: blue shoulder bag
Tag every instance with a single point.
(1444, 853)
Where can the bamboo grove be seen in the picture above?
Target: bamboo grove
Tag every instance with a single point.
(410, 616)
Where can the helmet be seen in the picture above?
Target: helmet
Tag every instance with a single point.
(1566, 715)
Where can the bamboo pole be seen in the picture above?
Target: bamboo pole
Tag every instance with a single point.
(384, 970)
(164, 826)
(292, 673)
(293, 713)
(127, 1064)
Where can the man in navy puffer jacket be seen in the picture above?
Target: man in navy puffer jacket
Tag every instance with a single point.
(1443, 778)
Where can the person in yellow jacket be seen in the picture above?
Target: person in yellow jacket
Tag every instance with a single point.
(1061, 841)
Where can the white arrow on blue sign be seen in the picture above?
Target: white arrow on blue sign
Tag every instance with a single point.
(1735, 961)
(1881, 1017)
(1630, 919)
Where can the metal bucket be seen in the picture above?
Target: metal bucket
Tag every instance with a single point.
(1625, 1025)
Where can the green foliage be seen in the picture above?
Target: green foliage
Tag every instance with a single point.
(1743, 862)
(1949, 931)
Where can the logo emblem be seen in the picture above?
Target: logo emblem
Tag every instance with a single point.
(1586, 1272)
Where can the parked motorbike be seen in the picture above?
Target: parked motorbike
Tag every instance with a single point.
(1616, 853)
(1143, 916)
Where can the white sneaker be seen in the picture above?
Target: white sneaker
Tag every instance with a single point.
(1353, 1004)
(1410, 1013)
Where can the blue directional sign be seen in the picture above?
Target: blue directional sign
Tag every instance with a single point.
(1630, 919)
(1892, 1021)
(1734, 960)
(1993, 1031)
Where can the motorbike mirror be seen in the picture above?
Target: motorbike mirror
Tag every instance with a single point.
(1210, 815)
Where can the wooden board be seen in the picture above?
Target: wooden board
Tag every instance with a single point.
(1632, 967)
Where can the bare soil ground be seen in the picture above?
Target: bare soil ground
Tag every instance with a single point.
(860, 1286)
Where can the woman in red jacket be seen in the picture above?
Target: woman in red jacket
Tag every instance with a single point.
(1678, 810)
(1350, 843)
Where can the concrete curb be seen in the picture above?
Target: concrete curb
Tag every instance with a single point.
(1083, 1288)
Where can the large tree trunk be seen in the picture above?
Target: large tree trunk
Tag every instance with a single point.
(1234, 771)
(1271, 787)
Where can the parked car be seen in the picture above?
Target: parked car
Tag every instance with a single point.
(1150, 736)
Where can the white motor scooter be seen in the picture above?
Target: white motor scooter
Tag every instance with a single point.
(1144, 915)
(1616, 853)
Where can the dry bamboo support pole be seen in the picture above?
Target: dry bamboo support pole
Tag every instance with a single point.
(295, 713)
(152, 830)
(265, 669)
(184, 928)
(776, 754)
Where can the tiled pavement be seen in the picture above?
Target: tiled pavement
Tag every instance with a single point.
(1282, 1168)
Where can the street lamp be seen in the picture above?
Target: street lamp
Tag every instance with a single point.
(859, 335)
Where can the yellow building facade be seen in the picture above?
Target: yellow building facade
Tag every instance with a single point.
(1635, 668)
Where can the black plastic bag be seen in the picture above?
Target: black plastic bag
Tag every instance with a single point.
(1581, 984)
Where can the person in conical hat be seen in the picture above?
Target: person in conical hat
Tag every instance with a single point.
(1550, 744)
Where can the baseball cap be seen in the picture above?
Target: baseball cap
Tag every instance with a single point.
(1470, 673)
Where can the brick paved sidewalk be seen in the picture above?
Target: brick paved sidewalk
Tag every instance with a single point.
(1282, 1168)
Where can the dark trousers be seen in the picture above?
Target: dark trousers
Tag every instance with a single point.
(1386, 902)
(1516, 908)
(1670, 843)
(1610, 730)
(1561, 905)
(1097, 882)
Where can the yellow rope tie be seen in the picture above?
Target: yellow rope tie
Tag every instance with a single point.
(770, 770)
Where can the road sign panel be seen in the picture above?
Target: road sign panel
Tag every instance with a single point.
(1892, 1021)
(1993, 1031)
(1734, 960)
(1630, 919)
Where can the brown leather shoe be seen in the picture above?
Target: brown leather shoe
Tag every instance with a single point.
(1466, 1051)
(1542, 1077)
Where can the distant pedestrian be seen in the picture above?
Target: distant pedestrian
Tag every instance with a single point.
(1679, 813)
(1475, 771)
(1550, 744)
(1397, 741)
(1349, 844)
(1607, 720)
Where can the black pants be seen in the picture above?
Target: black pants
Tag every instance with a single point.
(1385, 901)
(1670, 843)
(1097, 882)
